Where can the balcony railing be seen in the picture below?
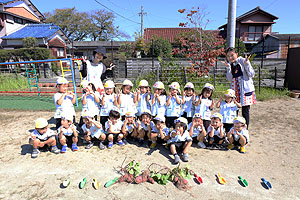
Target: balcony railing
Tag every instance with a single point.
(254, 36)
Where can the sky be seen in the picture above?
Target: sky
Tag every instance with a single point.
(164, 13)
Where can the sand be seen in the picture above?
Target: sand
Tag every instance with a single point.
(273, 153)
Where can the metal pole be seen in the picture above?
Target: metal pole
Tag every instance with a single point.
(157, 72)
(231, 24)
(275, 84)
(152, 55)
(73, 79)
(287, 65)
(261, 64)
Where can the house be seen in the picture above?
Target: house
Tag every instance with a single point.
(252, 25)
(14, 14)
(48, 36)
(276, 45)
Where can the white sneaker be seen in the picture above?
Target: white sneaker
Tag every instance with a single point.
(201, 145)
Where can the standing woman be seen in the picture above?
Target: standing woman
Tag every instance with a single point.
(93, 70)
(240, 73)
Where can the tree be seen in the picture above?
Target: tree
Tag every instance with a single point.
(30, 42)
(199, 46)
(78, 26)
(161, 47)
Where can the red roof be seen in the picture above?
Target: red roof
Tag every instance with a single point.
(166, 33)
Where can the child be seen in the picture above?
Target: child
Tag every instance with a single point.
(113, 127)
(188, 98)
(240, 73)
(215, 131)
(90, 100)
(158, 99)
(180, 140)
(42, 135)
(197, 130)
(92, 129)
(143, 97)
(159, 131)
(129, 128)
(173, 104)
(64, 101)
(204, 103)
(238, 135)
(144, 127)
(126, 99)
(228, 109)
(67, 133)
(108, 102)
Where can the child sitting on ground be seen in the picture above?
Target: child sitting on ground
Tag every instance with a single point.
(113, 127)
(197, 130)
(67, 133)
(42, 136)
(129, 128)
(238, 135)
(64, 101)
(228, 108)
(92, 129)
(144, 127)
(180, 140)
(159, 131)
(215, 131)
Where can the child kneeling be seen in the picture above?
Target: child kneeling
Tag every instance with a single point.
(67, 133)
(180, 140)
(92, 130)
(113, 127)
(42, 136)
(238, 135)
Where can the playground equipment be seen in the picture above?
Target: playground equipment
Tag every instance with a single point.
(32, 75)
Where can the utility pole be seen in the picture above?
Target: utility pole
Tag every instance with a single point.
(231, 24)
(142, 13)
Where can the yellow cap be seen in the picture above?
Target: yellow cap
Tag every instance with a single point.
(84, 84)
(41, 123)
(61, 81)
(158, 85)
(230, 93)
(109, 84)
(189, 85)
(239, 120)
(143, 83)
(209, 86)
(175, 86)
(127, 82)
(217, 115)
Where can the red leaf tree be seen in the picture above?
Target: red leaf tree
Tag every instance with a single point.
(200, 46)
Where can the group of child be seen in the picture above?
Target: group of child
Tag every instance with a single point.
(174, 120)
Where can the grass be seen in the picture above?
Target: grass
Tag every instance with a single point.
(10, 82)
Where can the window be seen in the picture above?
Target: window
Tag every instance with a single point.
(255, 33)
(60, 52)
(18, 20)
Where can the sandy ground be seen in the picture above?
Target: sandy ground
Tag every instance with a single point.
(273, 153)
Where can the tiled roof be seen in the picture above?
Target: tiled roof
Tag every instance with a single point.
(34, 30)
(5, 1)
(166, 33)
(286, 36)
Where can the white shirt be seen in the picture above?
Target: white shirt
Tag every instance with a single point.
(146, 127)
(127, 104)
(117, 127)
(159, 108)
(91, 106)
(143, 104)
(244, 133)
(216, 132)
(108, 104)
(94, 73)
(180, 138)
(173, 110)
(203, 108)
(228, 111)
(66, 131)
(196, 130)
(49, 133)
(188, 106)
(94, 130)
(66, 106)
(129, 127)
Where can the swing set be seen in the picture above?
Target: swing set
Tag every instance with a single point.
(32, 77)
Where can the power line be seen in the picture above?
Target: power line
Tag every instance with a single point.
(115, 12)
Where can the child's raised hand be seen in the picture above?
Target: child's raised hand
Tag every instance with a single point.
(225, 63)
(247, 58)
(119, 92)
(83, 59)
(115, 96)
